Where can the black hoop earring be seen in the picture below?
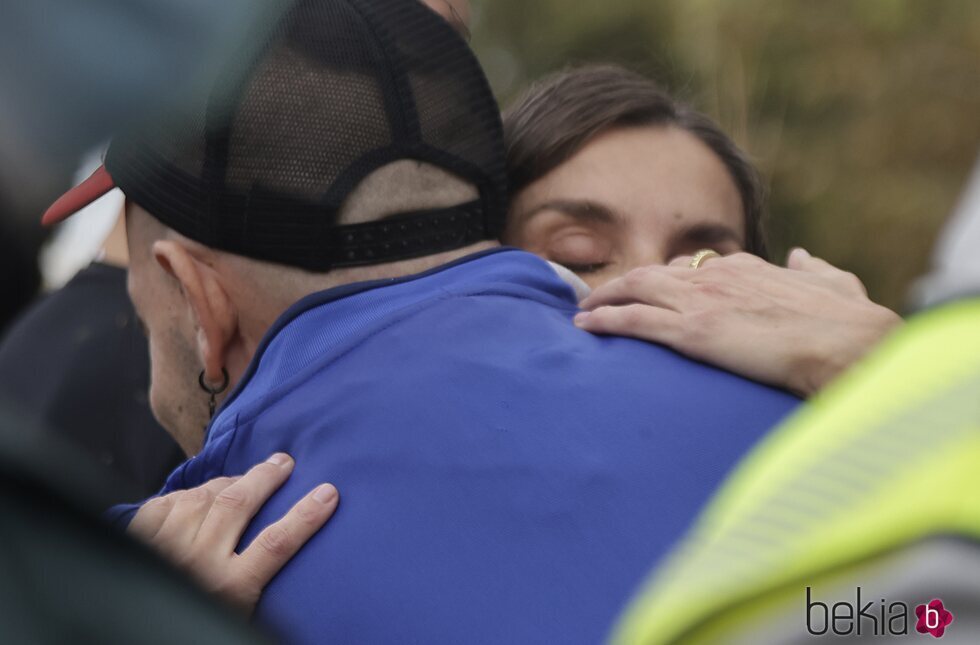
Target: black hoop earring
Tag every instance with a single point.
(212, 403)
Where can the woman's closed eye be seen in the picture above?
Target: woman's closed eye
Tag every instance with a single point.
(584, 268)
(580, 251)
(722, 239)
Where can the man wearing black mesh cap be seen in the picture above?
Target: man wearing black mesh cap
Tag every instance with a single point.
(318, 238)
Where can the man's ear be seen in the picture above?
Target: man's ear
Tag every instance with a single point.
(212, 311)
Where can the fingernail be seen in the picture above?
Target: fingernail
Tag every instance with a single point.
(325, 494)
(580, 318)
(279, 459)
(799, 252)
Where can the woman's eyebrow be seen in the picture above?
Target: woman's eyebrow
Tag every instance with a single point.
(581, 209)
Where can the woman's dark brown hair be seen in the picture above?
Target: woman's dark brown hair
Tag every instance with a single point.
(561, 113)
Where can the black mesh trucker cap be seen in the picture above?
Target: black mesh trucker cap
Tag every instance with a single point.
(261, 166)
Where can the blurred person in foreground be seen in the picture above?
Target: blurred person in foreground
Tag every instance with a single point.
(311, 252)
(66, 88)
(860, 517)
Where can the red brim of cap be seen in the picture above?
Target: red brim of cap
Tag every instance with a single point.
(97, 185)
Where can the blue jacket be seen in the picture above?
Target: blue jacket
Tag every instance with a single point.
(504, 476)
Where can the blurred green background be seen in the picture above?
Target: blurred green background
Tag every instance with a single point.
(863, 114)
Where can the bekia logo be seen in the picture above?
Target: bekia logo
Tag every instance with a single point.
(881, 618)
(933, 618)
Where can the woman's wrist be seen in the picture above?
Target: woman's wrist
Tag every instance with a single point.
(825, 362)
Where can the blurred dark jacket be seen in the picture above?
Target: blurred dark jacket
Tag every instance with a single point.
(77, 363)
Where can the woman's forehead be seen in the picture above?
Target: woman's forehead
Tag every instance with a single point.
(641, 173)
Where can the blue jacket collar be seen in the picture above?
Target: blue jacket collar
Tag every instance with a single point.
(346, 308)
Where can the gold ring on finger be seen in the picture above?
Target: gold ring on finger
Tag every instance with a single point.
(701, 256)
